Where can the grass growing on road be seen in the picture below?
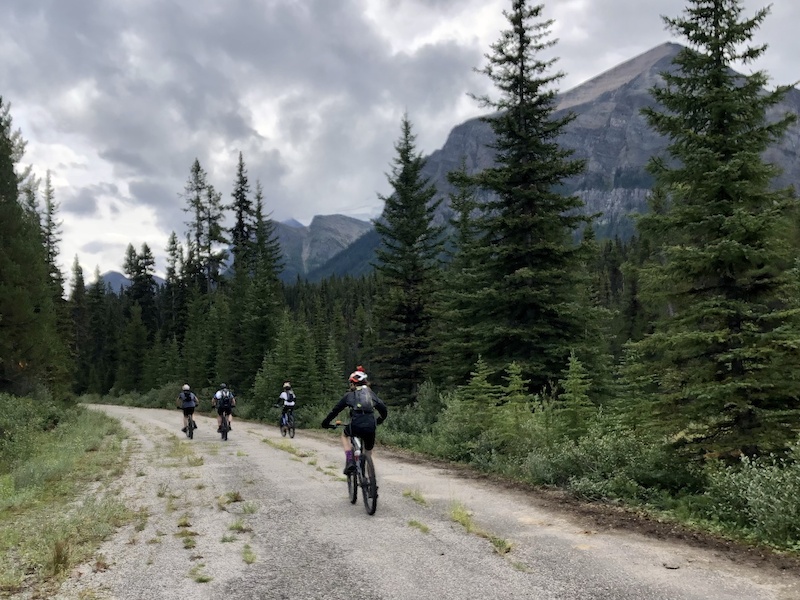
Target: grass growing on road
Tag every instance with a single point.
(44, 531)
(421, 526)
(416, 496)
(288, 447)
(460, 514)
(248, 555)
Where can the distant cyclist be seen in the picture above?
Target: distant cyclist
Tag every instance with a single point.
(188, 402)
(363, 403)
(288, 399)
(224, 401)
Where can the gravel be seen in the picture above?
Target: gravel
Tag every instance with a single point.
(310, 542)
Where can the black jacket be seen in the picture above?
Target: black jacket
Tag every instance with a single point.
(361, 417)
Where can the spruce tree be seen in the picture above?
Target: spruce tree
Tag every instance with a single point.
(463, 276)
(528, 309)
(725, 350)
(408, 265)
(30, 346)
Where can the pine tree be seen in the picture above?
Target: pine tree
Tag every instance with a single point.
(244, 220)
(725, 350)
(458, 350)
(528, 310)
(408, 265)
(81, 332)
(30, 347)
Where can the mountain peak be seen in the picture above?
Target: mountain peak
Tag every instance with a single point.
(617, 76)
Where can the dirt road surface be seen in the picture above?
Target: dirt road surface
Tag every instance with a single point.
(266, 517)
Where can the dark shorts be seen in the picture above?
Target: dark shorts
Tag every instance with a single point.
(188, 410)
(224, 409)
(368, 437)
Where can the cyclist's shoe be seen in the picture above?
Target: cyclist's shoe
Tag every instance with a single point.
(219, 429)
(183, 429)
(350, 467)
(194, 425)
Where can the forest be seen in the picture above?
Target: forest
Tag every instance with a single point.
(661, 371)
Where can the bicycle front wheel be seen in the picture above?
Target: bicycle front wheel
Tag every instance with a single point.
(352, 487)
(369, 485)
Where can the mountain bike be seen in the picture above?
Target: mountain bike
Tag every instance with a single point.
(190, 426)
(225, 426)
(286, 422)
(363, 477)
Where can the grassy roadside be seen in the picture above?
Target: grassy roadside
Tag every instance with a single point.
(57, 501)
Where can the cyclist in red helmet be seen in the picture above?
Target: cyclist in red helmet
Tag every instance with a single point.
(363, 403)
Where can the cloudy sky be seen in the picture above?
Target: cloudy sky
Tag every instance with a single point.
(117, 97)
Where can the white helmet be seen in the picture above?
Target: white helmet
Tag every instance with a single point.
(186, 387)
(358, 377)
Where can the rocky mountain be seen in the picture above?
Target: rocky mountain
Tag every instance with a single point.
(117, 282)
(307, 248)
(609, 132)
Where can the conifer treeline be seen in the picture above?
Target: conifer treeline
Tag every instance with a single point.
(690, 329)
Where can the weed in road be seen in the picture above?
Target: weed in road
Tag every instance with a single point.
(461, 515)
(240, 526)
(416, 496)
(421, 526)
(228, 537)
(196, 573)
(248, 555)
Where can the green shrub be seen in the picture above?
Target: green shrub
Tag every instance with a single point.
(761, 496)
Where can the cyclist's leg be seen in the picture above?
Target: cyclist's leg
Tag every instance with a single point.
(230, 416)
(368, 438)
(185, 419)
(219, 418)
(349, 464)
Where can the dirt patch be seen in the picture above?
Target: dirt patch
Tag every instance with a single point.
(610, 516)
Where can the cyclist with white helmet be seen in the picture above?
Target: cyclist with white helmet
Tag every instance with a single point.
(224, 401)
(363, 403)
(187, 401)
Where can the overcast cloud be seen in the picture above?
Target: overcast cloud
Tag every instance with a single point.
(117, 98)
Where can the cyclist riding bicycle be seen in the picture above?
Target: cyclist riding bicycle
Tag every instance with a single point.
(187, 401)
(224, 401)
(363, 403)
(289, 401)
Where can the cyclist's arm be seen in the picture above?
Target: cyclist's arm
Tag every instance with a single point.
(380, 406)
(340, 406)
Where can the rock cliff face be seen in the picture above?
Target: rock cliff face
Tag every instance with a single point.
(306, 248)
(610, 134)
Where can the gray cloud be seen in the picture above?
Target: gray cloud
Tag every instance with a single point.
(310, 91)
(85, 200)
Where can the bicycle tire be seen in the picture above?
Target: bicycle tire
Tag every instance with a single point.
(190, 428)
(283, 430)
(290, 425)
(224, 432)
(369, 485)
(352, 487)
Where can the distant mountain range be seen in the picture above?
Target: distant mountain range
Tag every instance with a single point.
(305, 248)
(609, 132)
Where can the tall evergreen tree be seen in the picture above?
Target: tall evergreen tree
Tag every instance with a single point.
(529, 314)
(725, 352)
(195, 194)
(30, 346)
(408, 264)
(244, 220)
(458, 350)
(81, 332)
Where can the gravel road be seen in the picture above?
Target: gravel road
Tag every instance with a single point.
(265, 517)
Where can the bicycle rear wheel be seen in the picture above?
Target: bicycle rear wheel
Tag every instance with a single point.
(224, 428)
(290, 425)
(369, 485)
(190, 428)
